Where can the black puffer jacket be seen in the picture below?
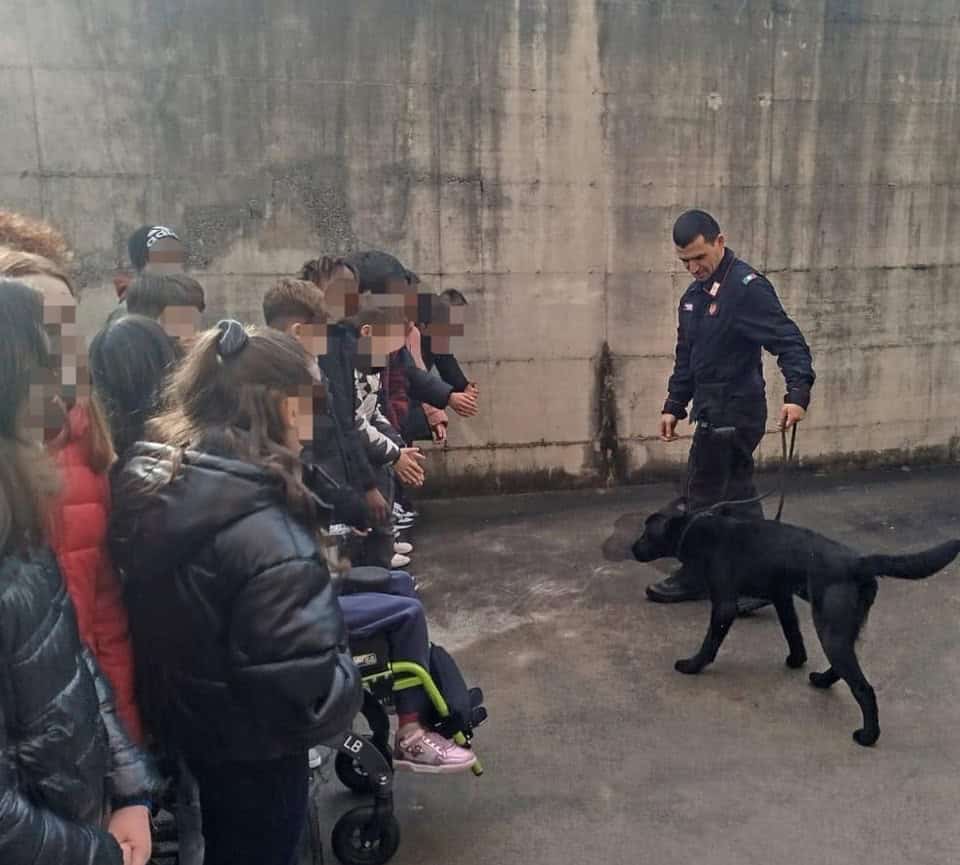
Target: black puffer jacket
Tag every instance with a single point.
(64, 757)
(337, 444)
(446, 364)
(240, 645)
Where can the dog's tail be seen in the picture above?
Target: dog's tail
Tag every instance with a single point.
(913, 566)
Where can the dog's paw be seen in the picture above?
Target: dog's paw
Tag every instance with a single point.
(795, 662)
(866, 738)
(821, 680)
(688, 666)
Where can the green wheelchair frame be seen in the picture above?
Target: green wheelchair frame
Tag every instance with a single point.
(405, 674)
(370, 834)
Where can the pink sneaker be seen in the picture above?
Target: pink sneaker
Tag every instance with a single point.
(429, 752)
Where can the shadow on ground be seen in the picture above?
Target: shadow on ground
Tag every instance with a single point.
(598, 752)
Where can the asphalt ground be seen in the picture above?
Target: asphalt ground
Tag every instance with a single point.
(596, 751)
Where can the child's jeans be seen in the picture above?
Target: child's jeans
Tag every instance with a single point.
(400, 618)
(253, 811)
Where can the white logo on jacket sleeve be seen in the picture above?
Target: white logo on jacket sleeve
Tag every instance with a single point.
(688, 307)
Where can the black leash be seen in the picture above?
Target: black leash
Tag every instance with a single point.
(785, 462)
(786, 459)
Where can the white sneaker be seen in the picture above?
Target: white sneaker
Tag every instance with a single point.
(403, 548)
(399, 561)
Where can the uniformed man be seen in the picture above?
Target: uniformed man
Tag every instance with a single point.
(726, 316)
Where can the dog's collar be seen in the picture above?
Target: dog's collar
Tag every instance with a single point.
(683, 535)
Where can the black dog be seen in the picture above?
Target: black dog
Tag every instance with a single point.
(766, 559)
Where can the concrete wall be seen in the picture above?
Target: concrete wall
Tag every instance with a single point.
(534, 154)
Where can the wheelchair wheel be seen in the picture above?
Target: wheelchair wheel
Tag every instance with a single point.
(352, 775)
(361, 838)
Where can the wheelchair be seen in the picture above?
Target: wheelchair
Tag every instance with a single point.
(370, 834)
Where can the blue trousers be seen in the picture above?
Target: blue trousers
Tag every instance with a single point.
(397, 615)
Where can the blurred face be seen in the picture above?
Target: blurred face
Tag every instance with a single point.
(67, 377)
(377, 341)
(446, 330)
(180, 322)
(701, 258)
(46, 411)
(341, 294)
(313, 337)
(297, 410)
(165, 255)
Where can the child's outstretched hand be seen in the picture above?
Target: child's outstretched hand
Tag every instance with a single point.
(464, 404)
(408, 468)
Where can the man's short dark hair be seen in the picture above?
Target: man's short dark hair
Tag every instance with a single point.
(151, 293)
(692, 224)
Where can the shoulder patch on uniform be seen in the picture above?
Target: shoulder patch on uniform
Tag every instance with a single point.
(749, 277)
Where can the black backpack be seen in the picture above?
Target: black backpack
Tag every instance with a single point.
(465, 704)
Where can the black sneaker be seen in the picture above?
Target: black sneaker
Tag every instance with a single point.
(678, 587)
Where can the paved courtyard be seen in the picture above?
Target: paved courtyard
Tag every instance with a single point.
(598, 752)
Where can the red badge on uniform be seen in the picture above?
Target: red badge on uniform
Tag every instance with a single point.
(712, 309)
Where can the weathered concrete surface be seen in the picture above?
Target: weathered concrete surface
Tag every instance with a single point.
(597, 751)
(533, 154)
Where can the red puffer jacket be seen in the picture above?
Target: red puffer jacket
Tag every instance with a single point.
(79, 539)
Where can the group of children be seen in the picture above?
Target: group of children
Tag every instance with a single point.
(166, 507)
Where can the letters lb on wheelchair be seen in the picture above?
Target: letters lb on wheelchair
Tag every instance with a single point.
(370, 834)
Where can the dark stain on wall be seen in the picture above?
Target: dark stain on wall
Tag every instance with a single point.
(611, 468)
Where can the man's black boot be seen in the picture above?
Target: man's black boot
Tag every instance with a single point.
(679, 586)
